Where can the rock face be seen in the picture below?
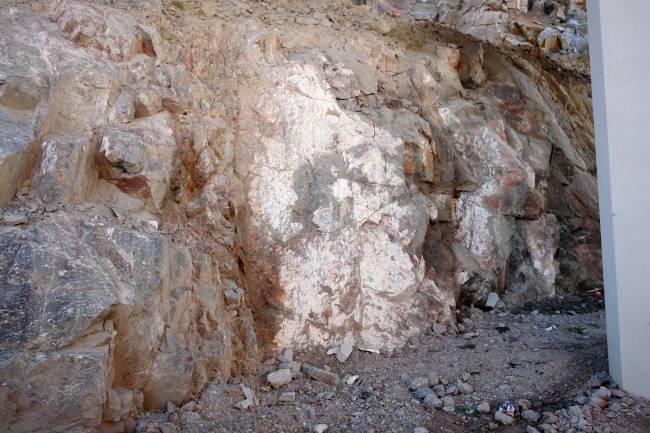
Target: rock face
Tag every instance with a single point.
(200, 182)
(554, 29)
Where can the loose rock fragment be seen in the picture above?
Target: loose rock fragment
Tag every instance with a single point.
(431, 402)
(341, 351)
(448, 404)
(321, 375)
(530, 415)
(279, 378)
(484, 407)
(503, 418)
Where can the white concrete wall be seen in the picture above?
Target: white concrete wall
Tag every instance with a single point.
(620, 61)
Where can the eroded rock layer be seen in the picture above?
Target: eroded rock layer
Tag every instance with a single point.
(187, 182)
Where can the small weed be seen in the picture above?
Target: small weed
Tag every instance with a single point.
(468, 346)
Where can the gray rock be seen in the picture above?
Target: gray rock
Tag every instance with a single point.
(492, 300)
(321, 375)
(279, 378)
(531, 429)
(285, 355)
(320, 428)
(420, 430)
(484, 407)
(503, 418)
(431, 402)
(465, 388)
(530, 415)
(603, 393)
(422, 392)
(14, 218)
(342, 351)
(448, 404)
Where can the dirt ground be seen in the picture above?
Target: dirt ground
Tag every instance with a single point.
(555, 358)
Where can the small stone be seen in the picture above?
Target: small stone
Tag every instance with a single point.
(598, 402)
(287, 397)
(503, 418)
(484, 407)
(448, 404)
(432, 402)
(465, 388)
(171, 407)
(285, 355)
(422, 392)
(418, 382)
(603, 393)
(439, 390)
(341, 351)
(451, 389)
(249, 398)
(439, 328)
(598, 379)
(14, 218)
(530, 415)
(531, 429)
(420, 430)
(524, 404)
(279, 378)
(492, 300)
(320, 428)
(321, 375)
(351, 379)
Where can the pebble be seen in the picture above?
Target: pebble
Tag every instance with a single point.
(530, 415)
(484, 407)
(448, 404)
(285, 355)
(351, 379)
(531, 429)
(603, 393)
(492, 300)
(432, 402)
(422, 392)
(341, 351)
(14, 218)
(451, 389)
(524, 404)
(503, 418)
(280, 378)
(321, 375)
(320, 428)
(465, 388)
(420, 430)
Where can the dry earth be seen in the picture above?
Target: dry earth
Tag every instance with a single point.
(554, 359)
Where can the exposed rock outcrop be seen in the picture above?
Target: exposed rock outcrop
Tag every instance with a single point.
(196, 181)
